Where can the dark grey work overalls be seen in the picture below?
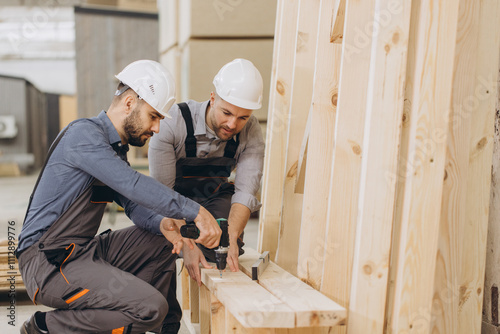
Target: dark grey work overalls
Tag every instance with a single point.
(205, 180)
(117, 282)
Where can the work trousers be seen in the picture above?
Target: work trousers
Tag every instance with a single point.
(119, 282)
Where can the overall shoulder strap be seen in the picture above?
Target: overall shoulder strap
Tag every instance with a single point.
(231, 147)
(190, 142)
(51, 150)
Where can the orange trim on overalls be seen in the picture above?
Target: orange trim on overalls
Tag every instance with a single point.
(60, 268)
(34, 296)
(118, 330)
(78, 295)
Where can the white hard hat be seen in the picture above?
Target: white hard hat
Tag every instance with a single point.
(152, 82)
(240, 83)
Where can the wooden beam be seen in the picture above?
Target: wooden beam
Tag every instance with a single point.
(311, 308)
(279, 102)
(194, 303)
(218, 318)
(320, 152)
(384, 111)
(480, 160)
(300, 102)
(251, 304)
(337, 31)
(436, 25)
(346, 166)
(453, 205)
(205, 312)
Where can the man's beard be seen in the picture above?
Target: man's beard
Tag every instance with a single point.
(133, 129)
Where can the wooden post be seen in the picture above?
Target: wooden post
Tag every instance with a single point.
(185, 289)
(194, 295)
(205, 310)
(380, 158)
(319, 152)
(279, 101)
(302, 84)
(433, 71)
(218, 316)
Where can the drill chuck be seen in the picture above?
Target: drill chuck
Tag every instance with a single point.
(221, 258)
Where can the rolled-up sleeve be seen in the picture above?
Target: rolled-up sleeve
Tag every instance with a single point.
(90, 152)
(249, 168)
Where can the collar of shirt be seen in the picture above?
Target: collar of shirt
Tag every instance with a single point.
(201, 126)
(113, 136)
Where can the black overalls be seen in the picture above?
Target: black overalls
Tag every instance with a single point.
(117, 282)
(205, 180)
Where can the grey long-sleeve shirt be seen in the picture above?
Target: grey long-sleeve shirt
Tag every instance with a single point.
(85, 152)
(168, 146)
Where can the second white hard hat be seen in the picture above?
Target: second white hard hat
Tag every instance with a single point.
(240, 83)
(152, 82)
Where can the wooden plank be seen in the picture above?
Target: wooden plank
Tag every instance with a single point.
(311, 308)
(279, 101)
(218, 316)
(205, 313)
(492, 272)
(251, 304)
(453, 205)
(381, 144)
(337, 31)
(436, 25)
(300, 102)
(480, 160)
(320, 152)
(185, 289)
(346, 166)
(194, 303)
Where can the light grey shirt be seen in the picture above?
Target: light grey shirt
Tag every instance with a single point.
(166, 147)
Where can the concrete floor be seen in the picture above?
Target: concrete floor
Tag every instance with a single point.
(14, 196)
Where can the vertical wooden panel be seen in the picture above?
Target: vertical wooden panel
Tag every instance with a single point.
(320, 151)
(279, 102)
(302, 85)
(453, 209)
(218, 316)
(380, 157)
(194, 296)
(345, 170)
(205, 310)
(480, 148)
(433, 71)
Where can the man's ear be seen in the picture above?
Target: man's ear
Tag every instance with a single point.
(128, 103)
(212, 98)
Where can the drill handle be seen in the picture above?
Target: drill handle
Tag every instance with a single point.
(190, 231)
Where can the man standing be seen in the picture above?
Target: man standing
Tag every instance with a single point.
(121, 281)
(198, 148)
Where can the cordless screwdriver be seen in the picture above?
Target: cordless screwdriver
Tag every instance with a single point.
(192, 232)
